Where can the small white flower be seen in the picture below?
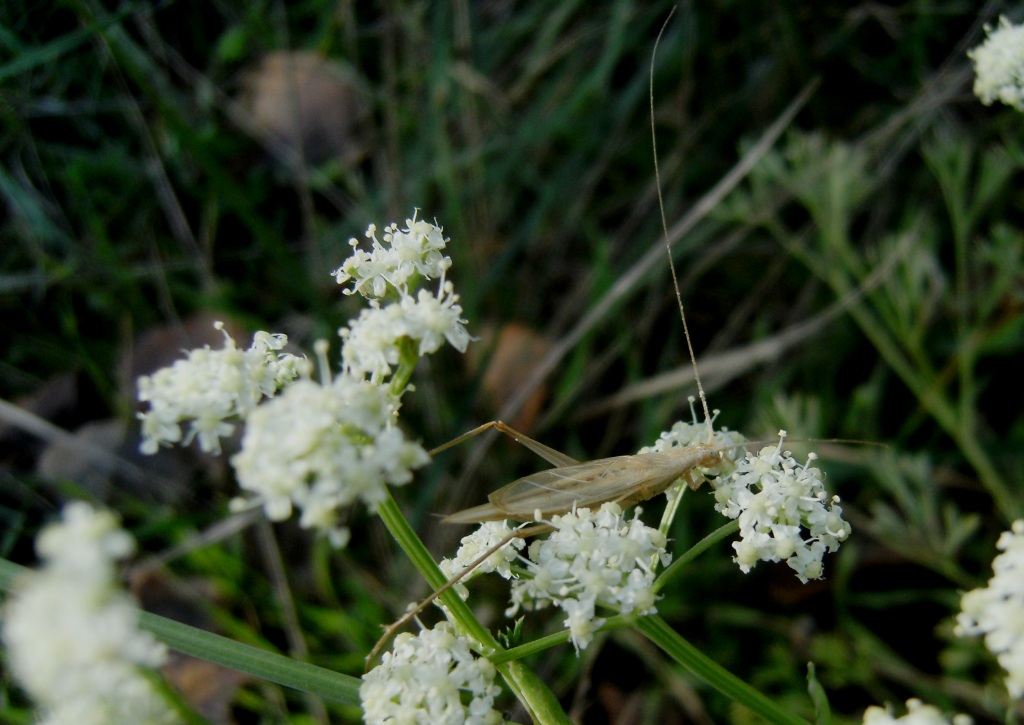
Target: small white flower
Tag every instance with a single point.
(474, 545)
(405, 255)
(592, 559)
(211, 386)
(72, 636)
(918, 713)
(775, 499)
(432, 678)
(322, 447)
(999, 65)
(997, 611)
(370, 344)
(373, 343)
(431, 320)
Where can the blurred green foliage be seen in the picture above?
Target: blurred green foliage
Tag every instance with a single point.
(139, 191)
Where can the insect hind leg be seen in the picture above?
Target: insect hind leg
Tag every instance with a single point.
(554, 457)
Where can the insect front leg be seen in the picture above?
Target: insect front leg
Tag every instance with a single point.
(694, 481)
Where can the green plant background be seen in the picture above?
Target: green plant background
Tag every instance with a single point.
(888, 214)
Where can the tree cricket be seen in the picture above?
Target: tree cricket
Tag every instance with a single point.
(571, 484)
(625, 480)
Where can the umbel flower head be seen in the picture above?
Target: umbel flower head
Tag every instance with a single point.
(211, 386)
(474, 545)
(430, 679)
(375, 343)
(918, 713)
(997, 610)
(72, 635)
(592, 559)
(321, 447)
(395, 266)
(776, 499)
(402, 322)
(999, 65)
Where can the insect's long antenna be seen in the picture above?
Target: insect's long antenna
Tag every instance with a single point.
(668, 247)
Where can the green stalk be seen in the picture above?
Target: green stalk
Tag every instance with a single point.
(532, 647)
(535, 695)
(408, 359)
(669, 514)
(536, 646)
(656, 630)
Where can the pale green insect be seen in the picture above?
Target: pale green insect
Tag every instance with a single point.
(625, 480)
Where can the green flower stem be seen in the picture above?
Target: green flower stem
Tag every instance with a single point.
(528, 688)
(534, 693)
(409, 357)
(212, 647)
(410, 543)
(669, 514)
(531, 648)
(696, 550)
(553, 640)
(656, 630)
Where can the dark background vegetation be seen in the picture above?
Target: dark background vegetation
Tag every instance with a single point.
(151, 185)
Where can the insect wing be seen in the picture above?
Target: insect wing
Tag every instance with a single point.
(623, 479)
(476, 515)
(588, 484)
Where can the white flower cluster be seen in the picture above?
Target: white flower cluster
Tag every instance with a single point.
(592, 558)
(373, 343)
(211, 386)
(775, 498)
(413, 319)
(321, 447)
(318, 447)
(72, 636)
(918, 713)
(405, 255)
(997, 611)
(476, 544)
(426, 680)
(999, 65)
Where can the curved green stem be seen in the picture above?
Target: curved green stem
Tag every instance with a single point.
(408, 359)
(684, 653)
(553, 640)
